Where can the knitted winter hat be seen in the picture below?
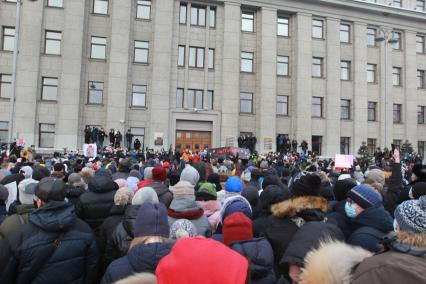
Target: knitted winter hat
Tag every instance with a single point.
(411, 215)
(4, 194)
(376, 175)
(40, 172)
(182, 188)
(182, 228)
(234, 184)
(145, 194)
(51, 188)
(159, 173)
(418, 189)
(27, 171)
(305, 183)
(123, 196)
(341, 188)
(152, 221)
(237, 227)
(121, 182)
(365, 196)
(190, 174)
(74, 178)
(234, 204)
(207, 191)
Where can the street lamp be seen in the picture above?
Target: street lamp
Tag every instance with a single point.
(386, 37)
(14, 67)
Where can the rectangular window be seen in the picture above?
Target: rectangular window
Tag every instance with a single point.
(55, 3)
(317, 67)
(138, 95)
(317, 29)
(371, 73)
(96, 91)
(212, 17)
(182, 13)
(317, 107)
(53, 42)
(420, 114)
(397, 3)
(421, 147)
(100, 7)
(420, 5)
(345, 70)
(420, 44)
(246, 102)
(8, 38)
(196, 57)
(282, 105)
(345, 109)
(247, 61)
(4, 130)
(49, 89)
(5, 86)
(396, 76)
(179, 98)
(317, 144)
(141, 51)
(247, 22)
(397, 142)
(46, 135)
(211, 58)
(194, 99)
(209, 100)
(397, 36)
(397, 108)
(371, 37)
(198, 16)
(283, 26)
(421, 79)
(372, 109)
(282, 65)
(344, 145)
(139, 133)
(143, 9)
(371, 145)
(345, 34)
(181, 55)
(98, 48)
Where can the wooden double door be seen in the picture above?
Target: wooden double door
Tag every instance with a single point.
(193, 140)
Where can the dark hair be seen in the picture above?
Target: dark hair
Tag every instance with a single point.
(58, 167)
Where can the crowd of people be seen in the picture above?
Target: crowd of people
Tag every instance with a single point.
(176, 218)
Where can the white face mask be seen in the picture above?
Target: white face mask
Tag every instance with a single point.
(410, 193)
(395, 225)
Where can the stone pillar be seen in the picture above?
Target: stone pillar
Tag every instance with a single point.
(267, 91)
(332, 108)
(302, 96)
(67, 126)
(230, 96)
(118, 64)
(25, 124)
(161, 72)
(360, 103)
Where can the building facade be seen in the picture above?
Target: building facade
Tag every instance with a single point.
(335, 73)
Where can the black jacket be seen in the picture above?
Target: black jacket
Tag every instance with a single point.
(141, 258)
(73, 194)
(393, 189)
(95, 204)
(24, 252)
(164, 194)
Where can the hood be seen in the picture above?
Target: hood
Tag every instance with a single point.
(129, 219)
(184, 204)
(54, 216)
(210, 206)
(326, 265)
(234, 204)
(293, 207)
(159, 187)
(145, 257)
(101, 184)
(376, 217)
(75, 192)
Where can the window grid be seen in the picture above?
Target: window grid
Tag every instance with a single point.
(397, 113)
(179, 98)
(100, 7)
(49, 90)
(181, 55)
(420, 5)
(371, 145)
(282, 65)
(397, 3)
(420, 44)
(141, 51)
(53, 42)
(344, 145)
(194, 99)
(196, 57)
(371, 37)
(398, 37)
(96, 90)
(247, 22)
(283, 26)
(345, 35)
(46, 135)
(317, 28)
(396, 76)
(138, 95)
(421, 147)
(317, 67)
(421, 79)
(345, 109)
(212, 17)
(317, 107)
(143, 9)
(282, 105)
(182, 13)
(5, 86)
(211, 58)
(420, 114)
(246, 102)
(8, 38)
(98, 48)
(209, 100)
(247, 61)
(55, 3)
(372, 109)
(345, 70)
(198, 16)
(371, 73)
(4, 129)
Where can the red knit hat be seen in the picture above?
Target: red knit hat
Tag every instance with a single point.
(237, 227)
(166, 165)
(159, 174)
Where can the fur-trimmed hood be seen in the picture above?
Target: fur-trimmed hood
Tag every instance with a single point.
(326, 265)
(294, 206)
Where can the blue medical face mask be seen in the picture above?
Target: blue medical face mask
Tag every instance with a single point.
(350, 210)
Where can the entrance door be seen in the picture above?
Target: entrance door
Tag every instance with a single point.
(192, 140)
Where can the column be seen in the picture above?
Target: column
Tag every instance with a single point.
(266, 96)
(161, 72)
(120, 44)
(67, 126)
(360, 107)
(302, 98)
(230, 95)
(332, 137)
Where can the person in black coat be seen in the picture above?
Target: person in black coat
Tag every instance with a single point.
(94, 137)
(112, 137)
(118, 137)
(95, 204)
(101, 138)
(87, 134)
(150, 245)
(137, 144)
(54, 247)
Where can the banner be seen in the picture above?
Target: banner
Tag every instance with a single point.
(226, 152)
(89, 150)
(20, 143)
(344, 161)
